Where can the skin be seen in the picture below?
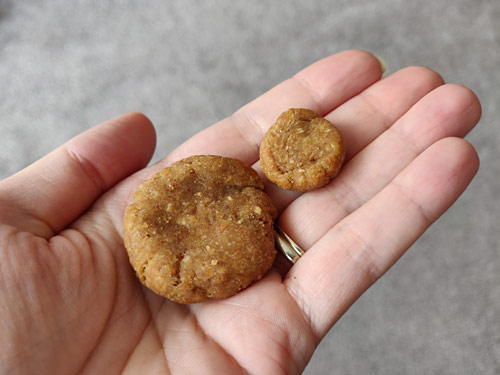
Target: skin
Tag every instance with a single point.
(70, 300)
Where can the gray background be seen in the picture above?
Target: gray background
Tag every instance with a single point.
(66, 65)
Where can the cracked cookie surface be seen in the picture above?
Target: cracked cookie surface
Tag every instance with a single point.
(200, 229)
(301, 151)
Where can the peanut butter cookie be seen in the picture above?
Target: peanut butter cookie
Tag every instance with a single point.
(200, 229)
(301, 151)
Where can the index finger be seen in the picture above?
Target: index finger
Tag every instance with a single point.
(321, 87)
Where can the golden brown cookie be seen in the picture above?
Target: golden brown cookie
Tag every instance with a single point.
(200, 229)
(301, 151)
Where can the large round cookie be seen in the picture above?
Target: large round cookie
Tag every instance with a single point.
(200, 229)
(301, 151)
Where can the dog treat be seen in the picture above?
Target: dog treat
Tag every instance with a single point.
(301, 151)
(200, 229)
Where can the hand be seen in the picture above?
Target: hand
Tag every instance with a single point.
(70, 302)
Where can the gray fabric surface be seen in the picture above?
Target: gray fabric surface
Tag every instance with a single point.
(66, 65)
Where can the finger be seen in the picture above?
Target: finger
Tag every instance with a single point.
(357, 251)
(367, 115)
(330, 82)
(321, 87)
(48, 195)
(376, 109)
(449, 110)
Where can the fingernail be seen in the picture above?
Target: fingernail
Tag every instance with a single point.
(383, 65)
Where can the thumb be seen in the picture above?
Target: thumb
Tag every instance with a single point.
(51, 193)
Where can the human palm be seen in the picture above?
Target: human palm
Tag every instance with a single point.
(70, 302)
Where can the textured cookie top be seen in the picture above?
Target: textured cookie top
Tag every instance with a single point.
(301, 151)
(199, 229)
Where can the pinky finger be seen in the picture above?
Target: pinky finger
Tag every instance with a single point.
(349, 258)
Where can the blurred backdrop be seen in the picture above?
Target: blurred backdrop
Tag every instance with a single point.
(65, 66)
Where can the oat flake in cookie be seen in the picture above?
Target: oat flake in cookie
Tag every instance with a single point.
(200, 229)
(301, 151)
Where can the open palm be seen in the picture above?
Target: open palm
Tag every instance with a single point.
(70, 302)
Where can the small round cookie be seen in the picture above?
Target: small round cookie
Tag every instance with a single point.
(201, 228)
(301, 151)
